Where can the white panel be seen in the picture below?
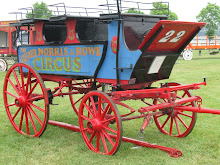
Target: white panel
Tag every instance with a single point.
(156, 64)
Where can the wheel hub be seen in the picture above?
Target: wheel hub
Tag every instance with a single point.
(21, 102)
(94, 125)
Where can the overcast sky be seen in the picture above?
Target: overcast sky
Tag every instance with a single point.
(187, 10)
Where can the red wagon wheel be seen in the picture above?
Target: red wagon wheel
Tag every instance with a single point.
(80, 85)
(173, 122)
(101, 131)
(26, 100)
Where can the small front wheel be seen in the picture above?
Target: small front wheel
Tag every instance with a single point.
(174, 122)
(100, 123)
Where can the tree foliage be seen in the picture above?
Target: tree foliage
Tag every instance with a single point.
(162, 9)
(40, 10)
(133, 10)
(211, 15)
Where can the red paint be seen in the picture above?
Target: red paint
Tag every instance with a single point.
(39, 33)
(71, 33)
(112, 81)
(156, 46)
(114, 44)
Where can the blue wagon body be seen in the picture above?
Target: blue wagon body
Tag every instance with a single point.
(85, 48)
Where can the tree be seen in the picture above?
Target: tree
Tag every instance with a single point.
(133, 10)
(40, 10)
(162, 9)
(211, 15)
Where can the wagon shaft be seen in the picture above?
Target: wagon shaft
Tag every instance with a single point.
(198, 109)
(173, 152)
(169, 105)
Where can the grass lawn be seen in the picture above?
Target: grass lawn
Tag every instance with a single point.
(61, 146)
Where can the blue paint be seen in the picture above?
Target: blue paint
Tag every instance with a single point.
(126, 58)
(62, 60)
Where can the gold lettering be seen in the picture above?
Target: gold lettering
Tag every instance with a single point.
(51, 52)
(84, 51)
(40, 51)
(78, 51)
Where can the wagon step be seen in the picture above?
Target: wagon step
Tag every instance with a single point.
(173, 152)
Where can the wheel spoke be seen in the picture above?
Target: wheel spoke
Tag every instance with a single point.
(93, 105)
(16, 78)
(160, 115)
(165, 121)
(22, 77)
(92, 137)
(37, 107)
(21, 121)
(86, 118)
(99, 107)
(11, 94)
(171, 126)
(27, 125)
(40, 97)
(32, 111)
(28, 81)
(89, 110)
(32, 89)
(108, 120)
(184, 94)
(16, 113)
(184, 114)
(110, 129)
(14, 86)
(105, 111)
(104, 142)
(108, 137)
(182, 121)
(12, 104)
(32, 121)
(98, 141)
(177, 126)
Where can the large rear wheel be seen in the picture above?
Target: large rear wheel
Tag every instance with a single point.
(26, 101)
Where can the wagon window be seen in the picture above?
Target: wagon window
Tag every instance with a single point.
(90, 31)
(135, 28)
(55, 32)
(3, 39)
(22, 38)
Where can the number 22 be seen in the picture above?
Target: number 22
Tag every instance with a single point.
(170, 33)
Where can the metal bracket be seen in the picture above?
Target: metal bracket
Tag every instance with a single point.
(50, 97)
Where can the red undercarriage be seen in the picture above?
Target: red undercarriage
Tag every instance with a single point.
(168, 93)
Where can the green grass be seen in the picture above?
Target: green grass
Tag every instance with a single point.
(61, 146)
